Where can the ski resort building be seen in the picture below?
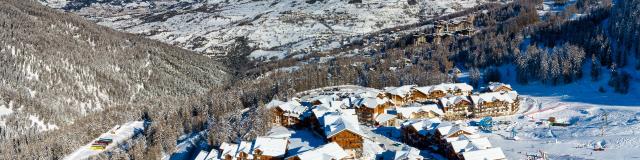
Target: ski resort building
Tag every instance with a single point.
(269, 148)
(387, 120)
(468, 148)
(236, 151)
(494, 104)
(420, 133)
(343, 129)
(433, 93)
(455, 107)
(330, 151)
(288, 114)
(419, 111)
(399, 95)
(445, 134)
(406, 153)
(368, 108)
(498, 87)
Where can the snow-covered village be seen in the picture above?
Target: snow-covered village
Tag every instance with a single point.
(320, 79)
(445, 121)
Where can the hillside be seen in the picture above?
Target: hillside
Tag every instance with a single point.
(57, 68)
(273, 28)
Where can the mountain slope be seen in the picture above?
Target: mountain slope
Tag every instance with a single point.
(281, 27)
(57, 67)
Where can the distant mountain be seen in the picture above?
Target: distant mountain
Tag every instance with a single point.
(58, 67)
(273, 28)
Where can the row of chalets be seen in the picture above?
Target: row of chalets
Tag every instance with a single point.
(338, 116)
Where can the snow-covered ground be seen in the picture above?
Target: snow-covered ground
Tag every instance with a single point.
(619, 132)
(277, 28)
(582, 105)
(119, 135)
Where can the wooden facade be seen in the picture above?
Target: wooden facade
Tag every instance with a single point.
(241, 156)
(456, 111)
(437, 94)
(278, 117)
(397, 100)
(366, 115)
(502, 89)
(424, 115)
(459, 92)
(496, 108)
(417, 96)
(411, 136)
(347, 140)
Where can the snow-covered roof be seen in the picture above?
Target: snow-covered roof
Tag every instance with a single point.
(274, 103)
(213, 155)
(320, 111)
(493, 86)
(328, 151)
(369, 102)
(457, 86)
(228, 149)
(338, 104)
(384, 117)
(279, 132)
(487, 154)
(452, 100)
(407, 153)
(202, 155)
(274, 147)
(509, 97)
(291, 108)
(234, 150)
(401, 91)
(446, 131)
(424, 126)
(425, 89)
(470, 144)
(445, 87)
(325, 98)
(407, 111)
(335, 123)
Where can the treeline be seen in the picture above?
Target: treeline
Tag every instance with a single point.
(608, 44)
(500, 40)
(562, 64)
(624, 28)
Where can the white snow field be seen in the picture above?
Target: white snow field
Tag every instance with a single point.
(119, 134)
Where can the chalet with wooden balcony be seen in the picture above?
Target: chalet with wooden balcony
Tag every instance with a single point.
(455, 107)
(368, 108)
(288, 114)
(419, 111)
(399, 95)
(343, 129)
(494, 104)
(240, 151)
(420, 133)
(498, 87)
(269, 148)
